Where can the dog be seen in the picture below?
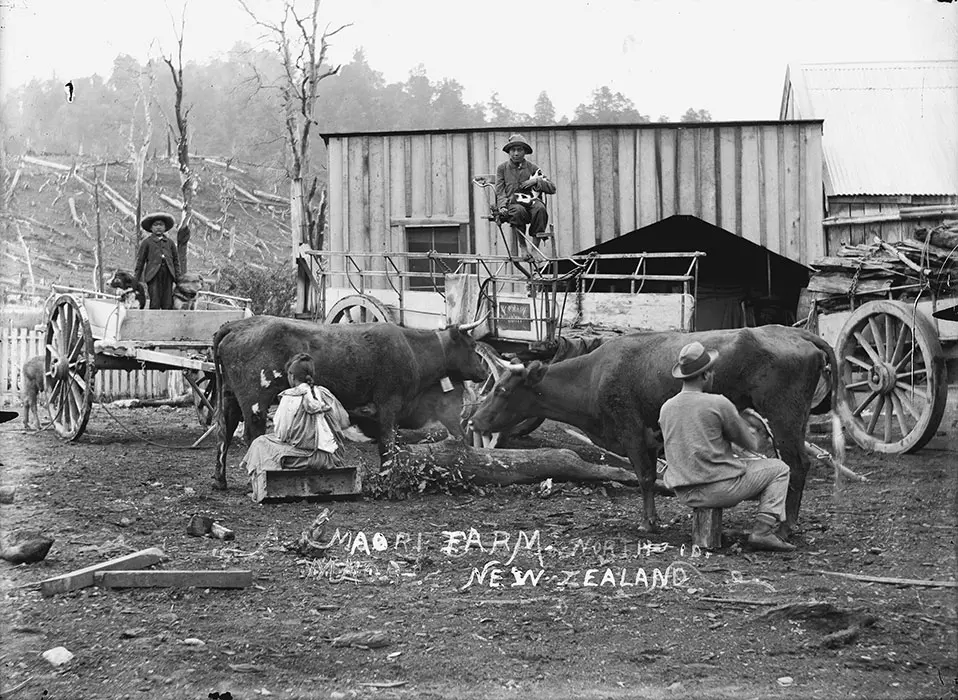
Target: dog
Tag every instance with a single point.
(132, 293)
(185, 291)
(31, 379)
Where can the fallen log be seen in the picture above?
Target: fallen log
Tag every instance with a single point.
(942, 236)
(73, 212)
(894, 581)
(200, 217)
(45, 163)
(502, 467)
(273, 197)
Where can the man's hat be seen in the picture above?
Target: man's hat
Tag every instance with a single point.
(147, 223)
(7, 415)
(517, 140)
(301, 367)
(693, 360)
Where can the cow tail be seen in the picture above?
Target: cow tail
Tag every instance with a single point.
(221, 333)
(838, 433)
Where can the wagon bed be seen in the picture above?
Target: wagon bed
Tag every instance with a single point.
(87, 331)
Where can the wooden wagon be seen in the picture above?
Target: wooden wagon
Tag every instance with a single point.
(87, 331)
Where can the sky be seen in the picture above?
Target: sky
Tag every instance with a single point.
(726, 56)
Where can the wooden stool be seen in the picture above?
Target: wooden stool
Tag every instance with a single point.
(271, 485)
(707, 527)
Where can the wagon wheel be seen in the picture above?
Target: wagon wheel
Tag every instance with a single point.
(479, 391)
(69, 367)
(204, 394)
(358, 308)
(892, 383)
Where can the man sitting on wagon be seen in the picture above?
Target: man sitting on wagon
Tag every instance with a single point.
(517, 183)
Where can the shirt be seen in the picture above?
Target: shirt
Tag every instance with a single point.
(304, 415)
(698, 429)
(509, 178)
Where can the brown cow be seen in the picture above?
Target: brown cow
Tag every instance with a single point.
(615, 392)
(376, 363)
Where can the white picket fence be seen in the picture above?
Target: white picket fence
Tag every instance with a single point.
(17, 345)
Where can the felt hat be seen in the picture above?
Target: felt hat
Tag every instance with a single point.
(7, 415)
(147, 223)
(301, 367)
(693, 360)
(517, 140)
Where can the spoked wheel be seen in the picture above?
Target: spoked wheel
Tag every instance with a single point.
(892, 383)
(69, 367)
(204, 394)
(478, 391)
(358, 308)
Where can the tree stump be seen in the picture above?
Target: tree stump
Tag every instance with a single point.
(707, 527)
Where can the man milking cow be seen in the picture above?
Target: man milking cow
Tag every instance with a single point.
(699, 429)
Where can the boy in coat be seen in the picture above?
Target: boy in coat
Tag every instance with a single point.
(156, 262)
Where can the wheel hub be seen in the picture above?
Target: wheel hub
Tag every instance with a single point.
(881, 377)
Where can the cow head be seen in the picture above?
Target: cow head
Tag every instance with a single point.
(462, 360)
(511, 400)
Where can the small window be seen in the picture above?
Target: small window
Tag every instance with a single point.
(427, 275)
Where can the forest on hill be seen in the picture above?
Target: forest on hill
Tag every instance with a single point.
(238, 142)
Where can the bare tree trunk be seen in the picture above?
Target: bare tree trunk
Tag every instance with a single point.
(181, 135)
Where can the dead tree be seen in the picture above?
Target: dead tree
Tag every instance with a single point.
(138, 155)
(181, 136)
(302, 48)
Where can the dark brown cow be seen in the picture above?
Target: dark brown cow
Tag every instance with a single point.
(377, 363)
(615, 392)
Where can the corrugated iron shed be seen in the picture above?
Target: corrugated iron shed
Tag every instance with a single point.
(890, 128)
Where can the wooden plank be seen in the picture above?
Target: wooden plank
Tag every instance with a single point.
(485, 231)
(173, 325)
(813, 195)
(162, 578)
(418, 174)
(604, 184)
(627, 194)
(564, 206)
(585, 234)
(728, 178)
(460, 177)
(337, 204)
(356, 236)
(646, 180)
(293, 484)
(772, 212)
(377, 207)
(645, 311)
(707, 173)
(82, 578)
(749, 187)
(667, 172)
(686, 175)
(439, 204)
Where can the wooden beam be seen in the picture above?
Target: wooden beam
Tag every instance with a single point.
(160, 578)
(82, 578)
(893, 581)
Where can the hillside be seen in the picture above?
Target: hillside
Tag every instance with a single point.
(43, 245)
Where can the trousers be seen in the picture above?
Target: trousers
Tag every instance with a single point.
(764, 480)
(533, 213)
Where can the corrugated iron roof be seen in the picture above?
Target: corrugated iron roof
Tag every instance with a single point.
(890, 128)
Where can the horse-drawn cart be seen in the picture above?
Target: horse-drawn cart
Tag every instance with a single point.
(87, 331)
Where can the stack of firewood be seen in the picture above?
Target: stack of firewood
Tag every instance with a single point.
(903, 269)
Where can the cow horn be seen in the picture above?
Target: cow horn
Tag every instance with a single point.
(466, 327)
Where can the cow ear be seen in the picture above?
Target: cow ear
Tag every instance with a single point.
(535, 372)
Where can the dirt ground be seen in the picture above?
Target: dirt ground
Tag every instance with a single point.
(613, 613)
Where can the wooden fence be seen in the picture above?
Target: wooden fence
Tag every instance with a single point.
(17, 345)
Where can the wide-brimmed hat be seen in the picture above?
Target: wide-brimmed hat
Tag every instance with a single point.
(693, 360)
(517, 140)
(7, 415)
(147, 222)
(301, 367)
